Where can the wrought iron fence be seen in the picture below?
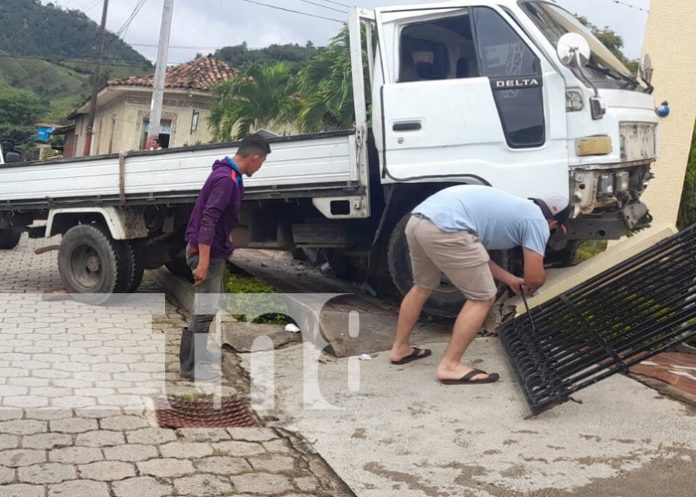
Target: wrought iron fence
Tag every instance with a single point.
(620, 317)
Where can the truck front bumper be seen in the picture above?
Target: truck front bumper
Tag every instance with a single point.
(610, 226)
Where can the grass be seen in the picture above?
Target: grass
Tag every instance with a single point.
(589, 249)
(245, 285)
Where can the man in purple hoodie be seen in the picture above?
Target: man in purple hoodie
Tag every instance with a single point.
(214, 216)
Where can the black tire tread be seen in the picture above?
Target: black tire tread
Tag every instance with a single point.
(102, 236)
(9, 238)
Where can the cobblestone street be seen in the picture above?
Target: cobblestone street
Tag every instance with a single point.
(77, 390)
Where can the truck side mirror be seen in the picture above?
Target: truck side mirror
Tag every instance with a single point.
(646, 68)
(573, 50)
(12, 157)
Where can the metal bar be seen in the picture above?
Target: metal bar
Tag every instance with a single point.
(607, 324)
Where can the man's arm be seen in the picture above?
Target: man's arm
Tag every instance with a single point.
(515, 283)
(534, 273)
(218, 200)
(200, 274)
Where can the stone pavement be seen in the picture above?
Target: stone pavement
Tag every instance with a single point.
(77, 384)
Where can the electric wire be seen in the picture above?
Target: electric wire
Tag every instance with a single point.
(619, 2)
(323, 6)
(293, 11)
(130, 18)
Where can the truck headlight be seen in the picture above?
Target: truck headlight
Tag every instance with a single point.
(621, 181)
(605, 185)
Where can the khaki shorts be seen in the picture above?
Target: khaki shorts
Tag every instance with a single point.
(459, 255)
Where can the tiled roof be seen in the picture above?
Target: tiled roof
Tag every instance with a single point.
(201, 74)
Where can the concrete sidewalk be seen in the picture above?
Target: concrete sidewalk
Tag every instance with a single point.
(403, 434)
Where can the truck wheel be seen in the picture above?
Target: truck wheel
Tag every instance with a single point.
(446, 300)
(9, 238)
(91, 262)
(131, 253)
(179, 267)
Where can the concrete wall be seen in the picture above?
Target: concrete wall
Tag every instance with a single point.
(670, 39)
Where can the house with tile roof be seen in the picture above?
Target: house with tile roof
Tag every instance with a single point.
(123, 109)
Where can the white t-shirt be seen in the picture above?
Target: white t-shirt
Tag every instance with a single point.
(500, 220)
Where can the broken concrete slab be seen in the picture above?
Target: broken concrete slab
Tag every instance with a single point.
(241, 336)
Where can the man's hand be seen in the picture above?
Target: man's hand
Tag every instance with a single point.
(200, 274)
(516, 284)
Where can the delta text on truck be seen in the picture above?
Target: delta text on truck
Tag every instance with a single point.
(517, 95)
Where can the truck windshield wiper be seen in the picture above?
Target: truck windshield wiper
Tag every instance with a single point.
(614, 74)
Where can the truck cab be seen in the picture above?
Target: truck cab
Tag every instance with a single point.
(518, 95)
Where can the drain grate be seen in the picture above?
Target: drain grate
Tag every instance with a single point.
(607, 324)
(177, 412)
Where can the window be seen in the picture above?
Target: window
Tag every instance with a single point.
(438, 49)
(164, 134)
(604, 69)
(514, 72)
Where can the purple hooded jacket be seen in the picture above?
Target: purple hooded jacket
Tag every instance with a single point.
(217, 208)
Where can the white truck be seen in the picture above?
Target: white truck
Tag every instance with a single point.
(515, 94)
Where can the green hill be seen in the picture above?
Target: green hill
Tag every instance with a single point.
(49, 52)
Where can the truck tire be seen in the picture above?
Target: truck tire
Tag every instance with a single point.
(91, 262)
(446, 300)
(131, 253)
(9, 238)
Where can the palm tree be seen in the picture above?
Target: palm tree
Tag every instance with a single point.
(326, 88)
(260, 95)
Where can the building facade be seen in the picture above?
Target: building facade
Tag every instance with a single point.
(123, 109)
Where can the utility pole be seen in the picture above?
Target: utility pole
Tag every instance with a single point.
(160, 74)
(95, 85)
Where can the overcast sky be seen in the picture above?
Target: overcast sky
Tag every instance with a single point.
(206, 25)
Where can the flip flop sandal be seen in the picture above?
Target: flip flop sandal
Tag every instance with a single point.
(416, 354)
(467, 378)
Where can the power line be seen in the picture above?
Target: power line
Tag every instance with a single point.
(130, 18)
(293, 11)
(338, 3)
(629, 5)
(323, 6)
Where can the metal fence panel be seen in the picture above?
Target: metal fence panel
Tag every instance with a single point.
(614, 320)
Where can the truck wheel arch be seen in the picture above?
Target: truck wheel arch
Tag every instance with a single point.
(122, 224)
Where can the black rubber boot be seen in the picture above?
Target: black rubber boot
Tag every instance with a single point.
(190, 365)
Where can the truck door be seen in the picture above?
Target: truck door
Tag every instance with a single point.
(467, 97)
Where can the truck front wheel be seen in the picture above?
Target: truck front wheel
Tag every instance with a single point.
(9, 238)
(91, 262)
(446, 300)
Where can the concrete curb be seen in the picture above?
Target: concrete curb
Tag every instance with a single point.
(176, 286)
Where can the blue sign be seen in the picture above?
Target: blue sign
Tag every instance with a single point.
(43, 133)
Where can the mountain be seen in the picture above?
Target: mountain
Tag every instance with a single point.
(50, 52)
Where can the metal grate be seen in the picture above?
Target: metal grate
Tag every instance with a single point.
(607, 324)
(177, 412)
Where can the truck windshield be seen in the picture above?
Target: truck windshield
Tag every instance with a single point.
(604, 69)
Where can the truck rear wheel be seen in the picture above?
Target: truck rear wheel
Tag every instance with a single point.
(446, 300)
(91, 262)
(9, 238)
(131, 253)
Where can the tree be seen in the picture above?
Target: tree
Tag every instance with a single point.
(326, 89)
(19, 111)
(687, 210)
(255, 98)
(613, 41)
